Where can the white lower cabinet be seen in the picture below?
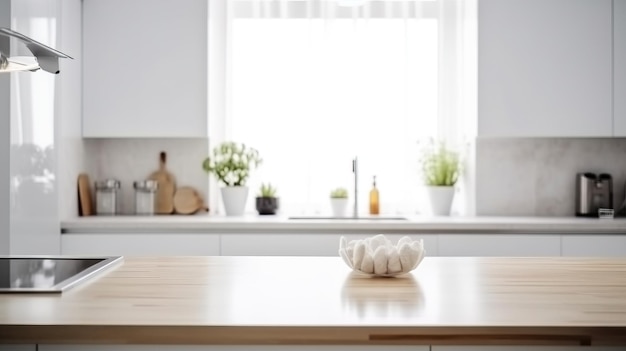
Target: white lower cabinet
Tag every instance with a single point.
(279, 245)
(594, 245)
(228, 348)
(301, 244)
(525, 348)
(18, 347)
(141, 244)
(511, 245)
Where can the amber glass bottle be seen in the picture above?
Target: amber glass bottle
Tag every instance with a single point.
(374, 201)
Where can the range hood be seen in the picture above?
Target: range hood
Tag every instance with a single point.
(45, 58)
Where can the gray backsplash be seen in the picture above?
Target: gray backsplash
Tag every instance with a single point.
(129, 160)
(536, 177)
(513, 177)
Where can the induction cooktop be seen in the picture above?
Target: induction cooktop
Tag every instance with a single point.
(49, 274)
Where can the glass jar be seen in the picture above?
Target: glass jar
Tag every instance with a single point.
(107, 197)
(145, 194)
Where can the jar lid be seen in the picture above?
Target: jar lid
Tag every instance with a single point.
(148, 185)
(108, 184)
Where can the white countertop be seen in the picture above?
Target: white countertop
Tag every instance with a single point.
(278, 224)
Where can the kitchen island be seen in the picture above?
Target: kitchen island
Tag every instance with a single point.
(320, 301)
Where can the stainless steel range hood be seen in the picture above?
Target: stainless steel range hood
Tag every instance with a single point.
(45, 58)
(49, 274)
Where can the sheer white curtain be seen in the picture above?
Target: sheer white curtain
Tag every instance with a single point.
(312, 84)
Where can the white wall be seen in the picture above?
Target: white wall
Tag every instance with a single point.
(5, 111)
(536, 177)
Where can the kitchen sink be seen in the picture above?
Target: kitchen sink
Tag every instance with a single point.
(365, 218)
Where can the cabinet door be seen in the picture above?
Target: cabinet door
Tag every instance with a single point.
(544, 68)
(300, 244)
(619, 67)
(594, 245)
(515, 245)
(144, 68)
(279, 245)
(141, 244)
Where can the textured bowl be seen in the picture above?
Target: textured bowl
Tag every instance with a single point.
(378, 256)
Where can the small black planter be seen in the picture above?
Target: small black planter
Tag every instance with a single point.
(266, 205)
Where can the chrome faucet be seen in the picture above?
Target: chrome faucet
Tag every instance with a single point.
(355, 170)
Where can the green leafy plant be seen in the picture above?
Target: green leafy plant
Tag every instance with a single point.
(231, 163)
(339, 193)
(440, 165)
(267, 190)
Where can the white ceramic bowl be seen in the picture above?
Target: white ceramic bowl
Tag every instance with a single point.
(378, 256)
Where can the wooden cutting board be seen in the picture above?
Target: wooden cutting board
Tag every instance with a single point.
(188, 201)
(85, 204)
(166, 187)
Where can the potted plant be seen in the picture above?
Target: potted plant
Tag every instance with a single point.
(339, 201)
(440, 167)
(231, 163)
(266, 201)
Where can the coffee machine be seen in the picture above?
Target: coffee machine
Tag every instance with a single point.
(593, 192)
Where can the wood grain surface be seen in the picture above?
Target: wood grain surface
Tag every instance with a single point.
(85, 203)
(318, 300)
(188, 201)
(166, 187)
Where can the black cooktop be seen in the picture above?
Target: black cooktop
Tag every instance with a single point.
(48, 273)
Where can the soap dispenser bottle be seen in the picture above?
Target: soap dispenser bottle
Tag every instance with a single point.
(374, 201)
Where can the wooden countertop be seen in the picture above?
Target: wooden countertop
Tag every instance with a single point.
(318, 300)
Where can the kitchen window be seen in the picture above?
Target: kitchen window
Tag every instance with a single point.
(313, 83)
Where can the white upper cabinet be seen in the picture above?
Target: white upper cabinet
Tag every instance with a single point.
(619, 67)
(545, 68)
(145, 68)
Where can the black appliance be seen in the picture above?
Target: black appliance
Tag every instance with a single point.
(593, 192)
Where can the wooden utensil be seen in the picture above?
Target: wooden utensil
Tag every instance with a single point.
(166, 187)
(85, 206)
(188, 201)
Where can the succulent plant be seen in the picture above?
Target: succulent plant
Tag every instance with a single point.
(339, 193)
(231, 163)
(267, 190)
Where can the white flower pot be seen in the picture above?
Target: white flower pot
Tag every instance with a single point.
(339, 207)
(234, 199)
(440, 199)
